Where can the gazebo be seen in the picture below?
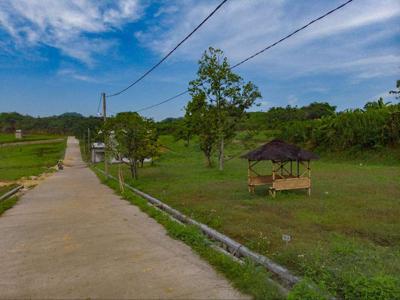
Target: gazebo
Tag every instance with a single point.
(290, 167)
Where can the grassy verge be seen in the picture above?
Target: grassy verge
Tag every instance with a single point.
(10, 138)
(7, 188)
(29, 160)
(10, 202)
(7, 204)
(247, 277)
(345, 237)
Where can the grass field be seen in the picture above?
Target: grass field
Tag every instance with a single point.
(28, 160)
(10, 138)
(345, 237)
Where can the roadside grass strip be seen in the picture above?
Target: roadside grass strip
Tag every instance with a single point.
(7, 204)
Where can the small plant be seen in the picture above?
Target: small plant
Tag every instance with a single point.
(306, 290)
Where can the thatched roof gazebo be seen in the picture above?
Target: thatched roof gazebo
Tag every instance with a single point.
(290, 167)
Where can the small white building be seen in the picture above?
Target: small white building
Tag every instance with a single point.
(18, 134)
(97, 152)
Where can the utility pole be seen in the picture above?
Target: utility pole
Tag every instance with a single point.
(89, 145)
(103, 95)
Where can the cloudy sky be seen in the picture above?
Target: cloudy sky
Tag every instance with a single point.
(58, 55)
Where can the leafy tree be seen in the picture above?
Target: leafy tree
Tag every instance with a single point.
(318, 110)
(134, 138)
(184, 130)
(379, 104)
(202, 119)
(397, 93)
(225, 93)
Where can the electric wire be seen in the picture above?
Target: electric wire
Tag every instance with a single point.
(291, 34)
(170, 52)
(164, 101)
(258, 52)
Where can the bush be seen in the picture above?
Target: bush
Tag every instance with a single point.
(378, 287)
(351, 129)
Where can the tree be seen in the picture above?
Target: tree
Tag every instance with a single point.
(379, 104)
(226, 95)
(397, 93)
(134, 136)
(318, 110)
(202, 119)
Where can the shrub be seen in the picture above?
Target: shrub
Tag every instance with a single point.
(351, 129)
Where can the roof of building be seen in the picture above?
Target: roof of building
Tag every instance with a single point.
(98, 146)
(278, 150)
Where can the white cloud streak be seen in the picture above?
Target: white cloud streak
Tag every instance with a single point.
(65, 24)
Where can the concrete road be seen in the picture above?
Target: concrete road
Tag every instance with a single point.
(72, 237)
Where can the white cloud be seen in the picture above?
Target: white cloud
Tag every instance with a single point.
(241, 28)
(75, 75)
(64, 24)
(292, 100)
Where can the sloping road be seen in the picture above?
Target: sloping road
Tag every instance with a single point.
(72, 237)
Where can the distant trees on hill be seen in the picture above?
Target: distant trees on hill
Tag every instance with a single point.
(67, 124)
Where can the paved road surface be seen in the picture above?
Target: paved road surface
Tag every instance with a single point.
(71, 237)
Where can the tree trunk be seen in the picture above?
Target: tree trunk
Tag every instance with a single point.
(133, 169)
(209, 162)
(120, 178)
(221, 154)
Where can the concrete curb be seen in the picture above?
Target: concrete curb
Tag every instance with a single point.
(10, 193)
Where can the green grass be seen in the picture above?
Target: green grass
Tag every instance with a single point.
(345, 237)
(247, 277)
(28, 160)
(10, 138)
(7, 204)
(7, 188)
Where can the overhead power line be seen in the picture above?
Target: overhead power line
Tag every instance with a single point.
(164, 101)
(291, 34)
(258, 52)
(170, 52)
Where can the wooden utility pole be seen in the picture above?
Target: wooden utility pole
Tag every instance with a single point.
(89, 145)
(103, 95)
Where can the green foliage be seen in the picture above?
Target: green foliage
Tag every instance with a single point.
(132, 137)
(397, 93)
(378, 287)
(224, 98)
(201, 119)
(276, 117)
(306, 290)
(359, 129)
(65, 124)
(7, 204)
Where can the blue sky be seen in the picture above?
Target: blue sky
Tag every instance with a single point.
(57, 56)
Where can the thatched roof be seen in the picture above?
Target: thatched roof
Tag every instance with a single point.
(278, 150)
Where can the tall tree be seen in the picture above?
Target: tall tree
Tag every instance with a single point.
(225, 93)
(132, 137)
(201, 119)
